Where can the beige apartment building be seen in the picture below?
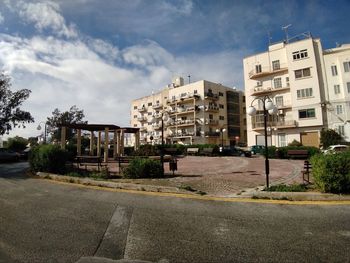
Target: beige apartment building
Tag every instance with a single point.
(196, 113)
(309, 86)
(292, 76)
(337, 65)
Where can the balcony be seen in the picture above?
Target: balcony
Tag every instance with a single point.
(210, 95)
(280, 124)
(267, 71)
(157, 106)
(156, 126)
(142, 109)
(259, 90)
(143, 129)
(183, 98)
(142, 119)
(211, 122)
(211, 108)
(211, 134)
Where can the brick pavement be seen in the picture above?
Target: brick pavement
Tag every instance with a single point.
(226, 176)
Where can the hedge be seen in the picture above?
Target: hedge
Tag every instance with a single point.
(331, 172)
(143, 168)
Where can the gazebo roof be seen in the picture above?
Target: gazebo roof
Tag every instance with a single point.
(98, 127)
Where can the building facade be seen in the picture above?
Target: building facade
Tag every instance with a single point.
(196, 113)
(337, 65)
(307, 86)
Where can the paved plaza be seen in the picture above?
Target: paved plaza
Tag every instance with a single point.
(225, 176)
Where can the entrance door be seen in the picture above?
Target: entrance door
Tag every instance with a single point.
(260, 140)
(310, 139)
(282, 140)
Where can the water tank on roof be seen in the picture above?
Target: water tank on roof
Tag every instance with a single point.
(178, 81)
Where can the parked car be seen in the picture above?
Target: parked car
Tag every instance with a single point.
(336, 148)
(8, 155)
(234, 151)
(256, 149)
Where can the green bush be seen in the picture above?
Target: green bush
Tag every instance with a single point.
(17, 143)
(295, 143)
(48, 158)
(143, 168)
(272, 151)
(287, 188)
(331, 172)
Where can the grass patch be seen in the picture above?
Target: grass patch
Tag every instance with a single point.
(287, 188)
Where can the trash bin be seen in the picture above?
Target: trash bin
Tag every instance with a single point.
(173, 165)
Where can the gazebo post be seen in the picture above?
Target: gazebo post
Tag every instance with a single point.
(99, 144)
(91, 143)
(122, 142)
(78, 142)
(105, 157)
(137, 140)
(63, 137)
(118, 140)
(115, 144)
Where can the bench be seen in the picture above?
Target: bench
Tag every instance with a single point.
(207, 151)
(298, 154)
(90, 161)
(306, 172)
(192, 151)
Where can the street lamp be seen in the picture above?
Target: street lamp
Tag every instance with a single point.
(221, 131)
(39, 128)
(164, 118)
(268, 108)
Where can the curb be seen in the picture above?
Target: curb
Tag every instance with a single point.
(249, 195)
(114, 185)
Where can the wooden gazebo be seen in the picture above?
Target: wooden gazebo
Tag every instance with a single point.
(118, 141)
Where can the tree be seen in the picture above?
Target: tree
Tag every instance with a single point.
(17, 143)
(329, 137)
(10, 113)
(74, 115)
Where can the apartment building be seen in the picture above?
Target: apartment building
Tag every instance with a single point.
(196, 113)
(337, 66)
(291, 75)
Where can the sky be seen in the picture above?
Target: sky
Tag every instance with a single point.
(101, 54)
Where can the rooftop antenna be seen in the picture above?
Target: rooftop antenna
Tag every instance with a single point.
(269, 37)
(189, 79)
(285, 28)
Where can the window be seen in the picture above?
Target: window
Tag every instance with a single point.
(300, 54)
(276, 65)
(149, 113)
(195, 91)
(341, 130)
(135, 107)
(277, 83)
(282, 140)
(259, 83)
(279, 101)
(308, 113)
(210, 116)
(302, 73)
(339, 109)
(347, 66)
(304, 93)
(221, 94)
(221, 118)
(221, 106)
(257, 68)
(336, 89)
(149, 104)
(135, 116)
(287, 81)
(334, 70)
(348, 86)
(135, 125)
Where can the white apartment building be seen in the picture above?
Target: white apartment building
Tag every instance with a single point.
(292, 76)
(310, 87)
(337, 65)
(196, 113)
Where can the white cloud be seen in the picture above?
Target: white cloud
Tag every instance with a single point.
(1, 18)
(45, 15)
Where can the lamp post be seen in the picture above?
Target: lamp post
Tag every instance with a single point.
(164, 118)
(268, 108)
(221, 131)
(39, 128)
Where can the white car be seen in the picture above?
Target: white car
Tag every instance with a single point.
(336, 148)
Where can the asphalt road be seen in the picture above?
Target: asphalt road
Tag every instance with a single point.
(44, 221)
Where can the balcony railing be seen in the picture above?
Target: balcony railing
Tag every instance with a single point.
(210, 95)
(157, 106)
(142, 109)
(211, 134)
(266, 71)
(277, 123)
(141, 118)
(211, 108)
(259, 90)
(211, 122)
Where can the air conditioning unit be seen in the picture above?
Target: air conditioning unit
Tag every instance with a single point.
(280, 112)
(259, 83)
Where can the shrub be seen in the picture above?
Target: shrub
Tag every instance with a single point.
(287, 188)
(329, 137)
(331, 172)
(48, 158)
(295, 143)
(272, 150)
(143, 168)
(17, 143)
(282, 151)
